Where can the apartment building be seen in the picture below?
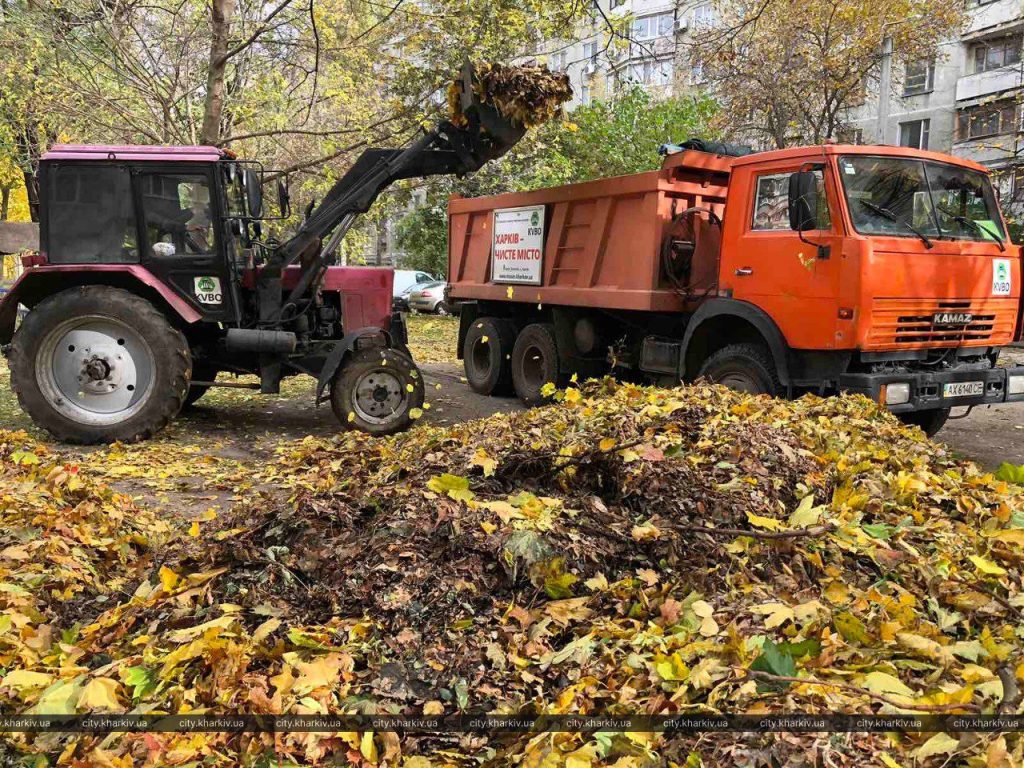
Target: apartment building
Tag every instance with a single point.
(965, 101)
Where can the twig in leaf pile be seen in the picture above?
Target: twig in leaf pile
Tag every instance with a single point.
(857, 689)
(813, 531)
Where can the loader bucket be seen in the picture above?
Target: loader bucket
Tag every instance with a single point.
(495, 133)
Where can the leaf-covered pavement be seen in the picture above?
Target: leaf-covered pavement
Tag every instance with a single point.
(625, 550)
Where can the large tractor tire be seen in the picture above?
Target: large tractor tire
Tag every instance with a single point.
(487, 355)
(743, 367)
(930, 421)
(200, 372)
(535, 362)
(376, 390)
(96, 364)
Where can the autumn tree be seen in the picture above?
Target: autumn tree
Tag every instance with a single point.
(785, 72)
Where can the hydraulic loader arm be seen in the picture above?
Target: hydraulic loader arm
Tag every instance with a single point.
(446, 149)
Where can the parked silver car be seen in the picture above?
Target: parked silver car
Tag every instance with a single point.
(429, 297)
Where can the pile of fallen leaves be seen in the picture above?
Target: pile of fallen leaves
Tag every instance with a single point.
(625, 550)
(528, 95)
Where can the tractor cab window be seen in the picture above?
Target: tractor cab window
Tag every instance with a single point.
(179, 216)
(90, 216)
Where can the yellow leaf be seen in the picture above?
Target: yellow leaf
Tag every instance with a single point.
(759, 521)
(99, 693)
(193, 529)
(264, 630)
(366, 746)
(987, 566)
(646, 532)
(168, 578)
(432, 708)
(776, 614)
(806, 513)
(481, 459)
(607, 444)
(20, 679)
(886, 685)
(939, 744)
(489, 528)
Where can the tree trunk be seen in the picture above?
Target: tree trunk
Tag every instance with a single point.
(5, 202)
(220, 26)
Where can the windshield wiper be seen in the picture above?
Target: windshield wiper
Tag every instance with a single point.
(977, 226)
(893, 217)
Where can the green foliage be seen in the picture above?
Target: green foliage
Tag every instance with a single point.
(605, 138)
(1011, 473)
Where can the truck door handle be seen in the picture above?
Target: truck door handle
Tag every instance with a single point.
(743, 271)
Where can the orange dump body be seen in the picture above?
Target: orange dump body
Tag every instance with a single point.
(603, 238)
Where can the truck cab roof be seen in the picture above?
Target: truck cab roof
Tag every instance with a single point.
(177, 154)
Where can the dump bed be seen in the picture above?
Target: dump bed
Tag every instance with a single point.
(596, 243)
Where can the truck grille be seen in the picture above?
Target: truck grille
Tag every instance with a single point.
(910, 323)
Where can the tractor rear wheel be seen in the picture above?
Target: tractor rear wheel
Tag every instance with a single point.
(376, 390)
(95, 364)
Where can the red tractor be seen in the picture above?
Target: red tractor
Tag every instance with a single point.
(153, 278)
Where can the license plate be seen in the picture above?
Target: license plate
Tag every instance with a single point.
(963, 388)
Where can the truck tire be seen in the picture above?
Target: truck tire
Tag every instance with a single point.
(96, 364)
(535, 362)
(376, 390)
(200, 372)
(930, 421)
(743, 367)
(487, 355)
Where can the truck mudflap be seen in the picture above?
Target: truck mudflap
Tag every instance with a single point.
(938, 389)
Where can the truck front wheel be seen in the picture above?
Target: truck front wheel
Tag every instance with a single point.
(743, 367)
(376, 391)
(535, 362)
(930, 421)
(96, 364)
(487, 353)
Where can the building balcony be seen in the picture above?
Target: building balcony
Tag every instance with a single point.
(992, 15)
(981, 84)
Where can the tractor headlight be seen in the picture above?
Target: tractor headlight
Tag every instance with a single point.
(1015, 385)
(897, 393)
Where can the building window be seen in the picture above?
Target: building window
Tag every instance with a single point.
(585, 95)
(915, 134)
(697, 73)
(703, 16)
(851, 136)
(651, 72)
(558, 61)
(919, 77)
(650, 27)
(616, 4)
(590, 51)
(986, 120)
(993, 54)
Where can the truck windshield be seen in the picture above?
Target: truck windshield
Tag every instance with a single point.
(910, 198)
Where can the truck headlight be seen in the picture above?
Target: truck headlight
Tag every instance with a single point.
(897, 393)
(1015, 385)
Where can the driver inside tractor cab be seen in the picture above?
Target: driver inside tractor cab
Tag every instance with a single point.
(179, 219)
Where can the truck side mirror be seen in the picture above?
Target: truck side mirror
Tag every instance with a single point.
(803, 201)
(253, 192)
(283, 198)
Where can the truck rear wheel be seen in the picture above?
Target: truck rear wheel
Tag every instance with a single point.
(930, 421)
(535, 362)
(376, 391)
(743, 367)
(487, 353)
(96, 364)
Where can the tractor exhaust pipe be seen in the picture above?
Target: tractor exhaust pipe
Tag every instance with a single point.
(263, 342)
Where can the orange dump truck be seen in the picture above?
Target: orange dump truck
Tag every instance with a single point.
(880, 270)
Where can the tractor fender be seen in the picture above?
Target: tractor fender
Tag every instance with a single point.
(38, 283)
(345, 347)
(750, 315)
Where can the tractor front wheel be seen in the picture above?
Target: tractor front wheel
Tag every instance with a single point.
(377, 390)
(96, 364)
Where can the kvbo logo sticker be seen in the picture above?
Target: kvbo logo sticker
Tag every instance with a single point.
(1002, 282)
(208, 290)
